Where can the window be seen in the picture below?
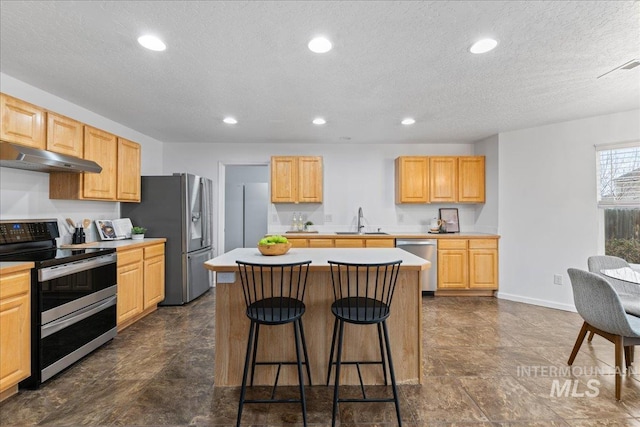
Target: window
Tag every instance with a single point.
(618, 171)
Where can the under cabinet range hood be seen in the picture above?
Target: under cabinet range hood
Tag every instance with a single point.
(20, 157)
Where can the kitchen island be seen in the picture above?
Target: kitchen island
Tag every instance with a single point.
(276, 343)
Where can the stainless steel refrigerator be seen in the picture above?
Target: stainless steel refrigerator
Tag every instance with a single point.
(179, 208)
(246, 214)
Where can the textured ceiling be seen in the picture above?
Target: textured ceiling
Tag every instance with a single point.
(390, 59)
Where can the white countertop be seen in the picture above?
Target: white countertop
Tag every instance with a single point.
(319, 258)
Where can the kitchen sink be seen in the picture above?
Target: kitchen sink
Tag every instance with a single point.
(378, 232)
(346, 232)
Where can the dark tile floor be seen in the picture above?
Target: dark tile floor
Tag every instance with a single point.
(487, 362)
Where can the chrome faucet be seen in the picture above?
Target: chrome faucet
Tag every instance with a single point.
(360, 224)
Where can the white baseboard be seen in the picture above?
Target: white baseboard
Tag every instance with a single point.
(536, 301)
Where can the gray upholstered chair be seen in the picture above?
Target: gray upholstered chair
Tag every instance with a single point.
(600, 307)
(606, 262)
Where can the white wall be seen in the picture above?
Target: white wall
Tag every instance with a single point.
(486, 220)
(547, 204)
(25, 194)
(356, 175)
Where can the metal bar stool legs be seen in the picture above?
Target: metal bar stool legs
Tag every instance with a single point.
(301, 359)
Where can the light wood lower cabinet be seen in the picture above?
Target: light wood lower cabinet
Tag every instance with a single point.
(140, 282)
(153, 275)
(324, 242)
(15, 332)
(467, 265)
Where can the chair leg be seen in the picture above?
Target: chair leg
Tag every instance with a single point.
(243, 389)
(333, 346)
(382, 357)
(391, 372)
(336, 382)
(304, 349)
(255, 352)
(591, 334)
(628, 356)
(619, 349)
(303, 401)
(578, 344)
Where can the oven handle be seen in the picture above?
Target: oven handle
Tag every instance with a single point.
(56, 271)
(76, 316)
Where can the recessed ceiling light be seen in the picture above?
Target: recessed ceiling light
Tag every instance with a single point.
(230, 120)
(408, 121)
(319, 121)
(152, 43)
(320, 45)
(483, 46)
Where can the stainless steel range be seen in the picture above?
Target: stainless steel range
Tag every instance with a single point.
(73, 295)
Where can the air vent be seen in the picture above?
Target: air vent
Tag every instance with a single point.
(626, 66)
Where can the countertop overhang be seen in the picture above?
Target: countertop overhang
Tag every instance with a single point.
(319, 258)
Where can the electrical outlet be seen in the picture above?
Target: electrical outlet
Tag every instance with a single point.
(328, 218)
(557, 279)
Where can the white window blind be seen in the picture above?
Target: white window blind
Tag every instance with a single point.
(618, 172)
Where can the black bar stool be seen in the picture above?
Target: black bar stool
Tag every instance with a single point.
(274, 295)
(362, 296)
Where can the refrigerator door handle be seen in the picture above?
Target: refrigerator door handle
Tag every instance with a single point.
(205, 198)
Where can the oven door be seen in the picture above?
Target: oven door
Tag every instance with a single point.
(69, 287)
(69, 338)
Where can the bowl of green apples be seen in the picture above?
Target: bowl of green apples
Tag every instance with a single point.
(274, 245)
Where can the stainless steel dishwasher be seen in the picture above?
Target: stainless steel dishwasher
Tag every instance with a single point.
(427, 249)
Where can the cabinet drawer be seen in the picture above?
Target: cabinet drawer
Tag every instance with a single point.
(15, 284)
(452, 244)
(153, 251)
(349, 243)
(129, 257)
(483, 244)
(320, 243)
(299, 243)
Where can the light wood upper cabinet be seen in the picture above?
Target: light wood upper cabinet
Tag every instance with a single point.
(22, 123)
(443, 179)
(120, 177)
(128, 178)
(296, 179)
(102, 148)
(412, 179)
(440, 179)
(64, 135)
(310, 179)
(471, 179)
(15, 332)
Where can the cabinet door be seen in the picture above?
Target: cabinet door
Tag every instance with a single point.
(128, 180)
(284, 172)
(452, 269)
(64, 135)
(153, 277)
(443, 179)
(22, 123)
(471, 179)
(412, 179)
(102, 148)
(15, 332)
(130, 285)
(309, 179)
(483, 263)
